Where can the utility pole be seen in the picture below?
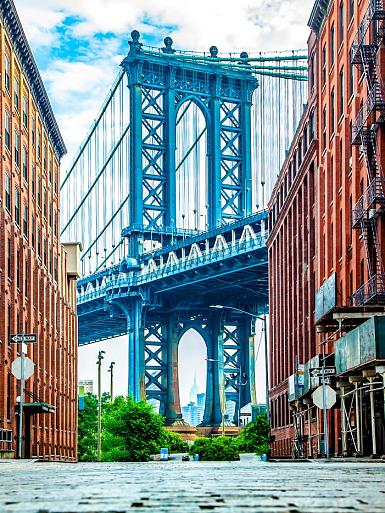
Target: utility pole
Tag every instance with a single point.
(266, 371)
(111, 370)
(20, 447)
(99, 364)
(325, 412)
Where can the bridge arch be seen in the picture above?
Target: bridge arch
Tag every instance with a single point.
(191, 163)
(192, 371)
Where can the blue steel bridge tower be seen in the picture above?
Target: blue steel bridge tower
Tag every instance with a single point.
(171, 273)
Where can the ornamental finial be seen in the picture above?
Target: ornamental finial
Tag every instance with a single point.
(244, 56)
(168, 45)
(213, 52)
(135, 45)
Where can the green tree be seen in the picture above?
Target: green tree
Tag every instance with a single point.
(131, 431)
(255, 436)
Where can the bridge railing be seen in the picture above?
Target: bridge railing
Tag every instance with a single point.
(147, 275)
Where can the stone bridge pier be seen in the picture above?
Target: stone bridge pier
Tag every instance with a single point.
(153, 346)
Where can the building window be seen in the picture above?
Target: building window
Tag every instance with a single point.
(45, 157)
(33, 137)
(324, 129)
(351, 9)
(332, 111)
(33, 232)
(7, 72)
(45, 252)
(8, 193)
(311, 125)
(342, 23)
(39, 192)
(324, 65)
(25, 221)
(7, 126)
(45, 199)
(16, 93)
(55, 180)
(294, 164)
(311, 73)
(351, 80)
(16, 149)
(25, 163)
(332, 45)
(9, 260)
(39, 241)
(342, 95)
(26, 277)
(9, 408)
(299, 153)
(17, 207)
(55, 268)
(25, 111)
(33, 170)
(54, 223)
(18, 273)
(305, 140)
(39, 144)
(341, 232)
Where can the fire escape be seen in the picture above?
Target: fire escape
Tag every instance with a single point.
(364, 132)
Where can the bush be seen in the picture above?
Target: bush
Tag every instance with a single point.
(221, 448)
(174, 442)
(255, 436)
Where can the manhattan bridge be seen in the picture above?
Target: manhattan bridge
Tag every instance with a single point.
(168, 195)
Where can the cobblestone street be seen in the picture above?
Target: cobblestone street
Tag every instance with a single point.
(193, 486)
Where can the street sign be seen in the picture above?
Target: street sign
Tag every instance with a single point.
(28, 338)
(330, 397)
(17, 365)
(316, 372)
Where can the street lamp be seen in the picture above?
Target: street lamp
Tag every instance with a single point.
(99, 364)
(223, 307)
(111, 369)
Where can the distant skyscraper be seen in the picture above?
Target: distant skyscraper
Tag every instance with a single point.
(194, 390)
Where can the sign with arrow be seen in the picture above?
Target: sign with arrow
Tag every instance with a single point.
(316, 372)
(27, 338)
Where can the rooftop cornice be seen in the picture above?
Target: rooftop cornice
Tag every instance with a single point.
(22, 49)
(318, 15)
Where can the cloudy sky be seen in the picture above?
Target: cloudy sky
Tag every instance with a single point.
(78, 45)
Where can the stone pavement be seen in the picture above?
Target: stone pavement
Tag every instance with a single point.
(37, 487)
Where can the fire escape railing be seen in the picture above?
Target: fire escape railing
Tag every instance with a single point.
(371, 115)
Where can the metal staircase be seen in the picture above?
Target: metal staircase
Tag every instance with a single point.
(364, 132)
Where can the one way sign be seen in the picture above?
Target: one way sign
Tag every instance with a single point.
(316, 372)
(26, 338)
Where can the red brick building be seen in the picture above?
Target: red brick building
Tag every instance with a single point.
(348, 234)
(291, 248)
(37, 290)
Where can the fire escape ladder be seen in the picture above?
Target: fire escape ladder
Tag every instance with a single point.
(372, 113)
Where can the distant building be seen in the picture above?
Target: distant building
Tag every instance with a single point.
(190, 414)
(193, 412)
(87, 384)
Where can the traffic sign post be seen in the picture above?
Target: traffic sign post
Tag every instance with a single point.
(22, 372)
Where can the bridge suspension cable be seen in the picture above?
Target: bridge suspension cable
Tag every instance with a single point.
(95, 192)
